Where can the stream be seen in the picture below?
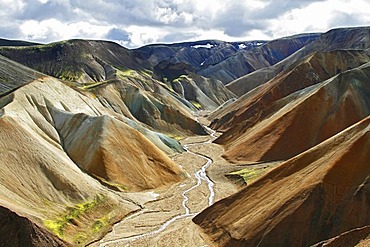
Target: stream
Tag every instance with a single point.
(199, 175)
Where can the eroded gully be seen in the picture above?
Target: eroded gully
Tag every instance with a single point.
(200, 177)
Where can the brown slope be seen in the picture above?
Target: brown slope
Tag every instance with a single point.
(303, 119)
(38, 178)
(314, 196)
(310, 70)
(355, 237)
(113, 151)
(17, 231)
(357, 38)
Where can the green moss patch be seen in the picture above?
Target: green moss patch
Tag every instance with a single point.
(196, 104)
(249, 174)
(85, 222)
(72, 215)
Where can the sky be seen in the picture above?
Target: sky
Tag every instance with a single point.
(134, 23)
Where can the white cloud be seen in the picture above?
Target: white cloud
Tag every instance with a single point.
(319, 17)
(151, 21)
(57, 30)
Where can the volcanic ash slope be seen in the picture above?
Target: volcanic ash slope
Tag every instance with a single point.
(314, 196)
(60, 151)
(303, 119)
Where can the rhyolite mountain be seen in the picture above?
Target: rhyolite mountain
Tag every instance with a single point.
(124, 81)
(63, 156)
(310, 110)
(297, 109)
(86, 127)
(7, 42)
(316, 195)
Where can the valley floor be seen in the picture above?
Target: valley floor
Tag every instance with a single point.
(163, 221)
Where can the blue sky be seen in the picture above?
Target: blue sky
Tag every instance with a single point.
(134, 23)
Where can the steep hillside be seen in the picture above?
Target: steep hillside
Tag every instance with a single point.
(14, 75)
(74, 152)
(123, 81)
(314, 196)
(357, 38)
(17, 231)
(305, 72)
(302, 119)
(75, 60)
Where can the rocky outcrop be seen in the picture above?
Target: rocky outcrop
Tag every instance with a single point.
(317, 195)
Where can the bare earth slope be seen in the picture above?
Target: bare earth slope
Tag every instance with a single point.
(303, 119)
(120, 78)
(306, 72)
(62, 154)
(314, 196)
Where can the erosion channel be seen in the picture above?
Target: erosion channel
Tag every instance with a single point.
(165, 217)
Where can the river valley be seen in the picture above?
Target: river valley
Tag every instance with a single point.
(165, 219)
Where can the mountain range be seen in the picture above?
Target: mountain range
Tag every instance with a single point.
(89, 127)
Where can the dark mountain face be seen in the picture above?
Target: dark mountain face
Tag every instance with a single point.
(75, 59)
(226, 61)
(6, 42)
(16, 231)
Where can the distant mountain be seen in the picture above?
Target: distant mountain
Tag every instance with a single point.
(336, 39)
(6, 42)
(226, 61)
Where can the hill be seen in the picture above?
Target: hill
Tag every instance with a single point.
(318, 194)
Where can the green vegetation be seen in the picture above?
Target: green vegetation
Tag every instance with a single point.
(250, 174)
(175, 137)
(115, 186)
(73, 213)
(90, 85)
(127, 73)
(196, 104)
